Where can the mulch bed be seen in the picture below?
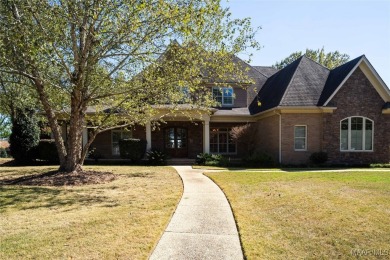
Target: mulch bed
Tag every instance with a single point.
(55, 178)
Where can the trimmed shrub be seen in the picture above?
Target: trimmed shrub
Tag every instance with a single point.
(318, 158)
(380, 165)
(259, 160)
(46, 150)
(156, 158)
(24, 136)
(133, 149)
(202, 158)
(211, 159)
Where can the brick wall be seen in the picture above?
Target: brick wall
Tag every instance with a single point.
(313, 123)
(267, 137)
(357, 98)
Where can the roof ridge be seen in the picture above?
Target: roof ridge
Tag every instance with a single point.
(292, 77)
(260, 72)
(318, 62)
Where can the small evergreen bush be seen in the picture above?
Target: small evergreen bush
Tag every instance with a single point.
(156, 158)
(211, 159)
(24, 136)
(133, 149)
(202, 158)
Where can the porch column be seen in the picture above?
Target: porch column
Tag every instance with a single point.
(85, 136)
(206, 135)
(148, 136)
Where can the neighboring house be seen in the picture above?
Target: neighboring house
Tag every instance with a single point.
(301, 109)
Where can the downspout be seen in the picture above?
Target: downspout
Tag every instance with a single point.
(280, 137)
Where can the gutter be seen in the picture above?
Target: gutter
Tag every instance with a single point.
(280, 135)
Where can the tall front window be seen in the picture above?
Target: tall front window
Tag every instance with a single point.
(356, 134)
(117, 135)
(300, 140)
(224, 95)
(221, 141)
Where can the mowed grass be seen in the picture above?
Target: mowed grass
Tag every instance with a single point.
(123, 219)
(309, 215)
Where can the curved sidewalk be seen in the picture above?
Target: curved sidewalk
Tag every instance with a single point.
(202, 226)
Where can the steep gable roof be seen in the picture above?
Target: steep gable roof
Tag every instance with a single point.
(336, 77)
(273, 90)
(304, 82)
(307, 84)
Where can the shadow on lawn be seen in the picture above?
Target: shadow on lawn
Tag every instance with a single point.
(23, 198)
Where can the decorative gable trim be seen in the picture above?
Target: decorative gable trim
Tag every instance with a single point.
(371, 75)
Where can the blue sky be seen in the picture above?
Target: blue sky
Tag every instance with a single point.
(349, 26)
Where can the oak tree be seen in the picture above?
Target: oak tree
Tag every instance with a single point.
(108, 63)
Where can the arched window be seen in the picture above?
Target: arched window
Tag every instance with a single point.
(356, 134)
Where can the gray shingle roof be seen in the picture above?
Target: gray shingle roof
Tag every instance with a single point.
(304, 82)
(273, 90)
(266, 70)
(306, 85)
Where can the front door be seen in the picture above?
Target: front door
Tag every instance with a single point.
(176, 142)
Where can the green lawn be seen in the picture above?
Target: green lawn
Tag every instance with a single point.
(122, 219)
(314, 215)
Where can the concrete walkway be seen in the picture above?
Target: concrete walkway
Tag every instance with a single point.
(202, 226)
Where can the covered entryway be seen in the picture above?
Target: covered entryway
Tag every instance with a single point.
(175, 142)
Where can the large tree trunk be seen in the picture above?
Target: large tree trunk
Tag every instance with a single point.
(74, 158)
(55, 128)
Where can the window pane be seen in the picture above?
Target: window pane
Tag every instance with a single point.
(356, 123)
(214, 148)
(213, 138)
(227, 92)
(300, 131)
(368, 139)
(368, 125)
(300, 144)
(344, 138)
(227, 100)
(356, 139)
(222, 147)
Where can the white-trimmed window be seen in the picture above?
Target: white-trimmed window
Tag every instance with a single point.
(356, 134)
(117, 135)
(224, 95)
(300, 138)
(221, 141)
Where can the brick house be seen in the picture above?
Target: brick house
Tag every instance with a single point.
(301, 109)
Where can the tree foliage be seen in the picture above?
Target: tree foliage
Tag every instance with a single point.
(5, 127)
(109, 63)
(24, 136)
(330, 60)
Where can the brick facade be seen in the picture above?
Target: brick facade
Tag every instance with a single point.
(267, 137)
(357, 97)
(313, 123)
